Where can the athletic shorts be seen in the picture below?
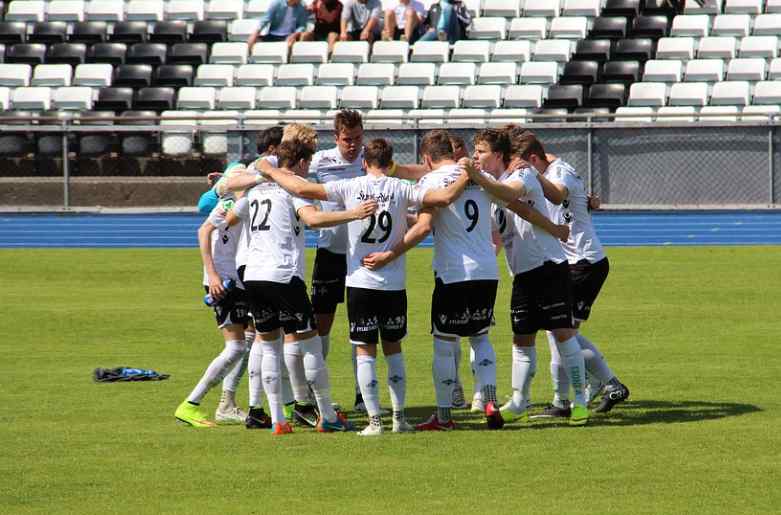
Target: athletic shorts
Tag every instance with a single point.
(280, 305)
(542, 299)
(587, 280)
(463, 308)
(232, 309)
(376, 315)
(328, 281)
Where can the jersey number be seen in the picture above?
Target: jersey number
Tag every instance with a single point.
(263, 226)
(501, 220)
(472, 212)
(384, 221)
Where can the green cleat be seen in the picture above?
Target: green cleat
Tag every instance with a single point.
(579, 416)
(191, 415)
(510, 413)
(288, 410)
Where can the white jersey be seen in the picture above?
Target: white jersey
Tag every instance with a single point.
(504, 224)
(327, 166)
(531, 245)
(241, 210)
(276, 236)
(379, 232)
(224, 243)
(583, 242)
(463, 247)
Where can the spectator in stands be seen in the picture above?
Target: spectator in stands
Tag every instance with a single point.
(361, 20)
(404, 21)
(286, 21)
(328, 22)
(447, 20)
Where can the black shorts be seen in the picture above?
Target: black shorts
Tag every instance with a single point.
(376, 315)
(321, 31)
(328, 281)
(587, 280)
(276, 305)
(542, 299)
(232, 309)
(463, 308)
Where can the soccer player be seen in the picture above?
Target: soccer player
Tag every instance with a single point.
(376, 300)
(568, 203)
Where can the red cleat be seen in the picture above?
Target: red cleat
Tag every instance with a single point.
(282, 428)
(433, 424)
(493, 417)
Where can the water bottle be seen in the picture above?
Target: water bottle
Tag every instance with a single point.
(227, 284)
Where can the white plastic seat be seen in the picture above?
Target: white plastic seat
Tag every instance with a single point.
(471, 51)
(54, 75)
(5, 98)
(430, 52)
(376, 74)
(529, 96)
(528, 28)
(416, 74)
(498, 73)
(735, 25)
(213, 127)
(350, 52)
(387, 119)
(539, 73)
(443, 97)
(94, 75)
(767, 92)
(177, 128)
(747, 69)
(553, 50)
(188, 10)
(765, 47)
(73, 99)
(677, 114)
(256, 8)
(241, 30)
(295, 75)
(488, 28)
(309, 52)
(360, 97)
(106, 10)
(144, 10)
(467, 118)
(638, 114)
(726, 113)
(675, 48)
(743, 6)
(256, 75)
(544, 8)
(760, 112)
(774, 71)
(229, 53)
(773, 6)
(336, 74)
(314, 117)
(269, 53)
(224, 10)
(695, 25)
(587, 8)
(512, 51)
(457, 73)
(28, 11)
(261, 118)
(32, 99)
(400, 97)
(319, 97)
(196, 98)
(731, 93)
(216, 75)
(498, 118)
(767, 25)
(663, 71)
(648, 94)
(717, 48)
(65, 10)
(569, 28)
(709, 7)
(390, 52)
(704, 70)
(502, 8)
(483, 96)
(689, 94)
(15, 75)
(276, 98)
(427, 118)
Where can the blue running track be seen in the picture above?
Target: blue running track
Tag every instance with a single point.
(179, 230)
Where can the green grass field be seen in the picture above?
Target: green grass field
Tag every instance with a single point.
(694, 332)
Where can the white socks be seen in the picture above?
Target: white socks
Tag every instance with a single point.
(457, 357)
(572, 359)
(255, 374)
(595, 361)
(397, 381)
(294, 362)
(355, 368)
(558, 374)
(317, 376)
(271, 377)
(367, 381)
(484, 366)
(217, 369)
(523, 370)
(444, 372)
(232, 380)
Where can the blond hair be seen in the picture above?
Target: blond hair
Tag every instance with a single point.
(304, 134)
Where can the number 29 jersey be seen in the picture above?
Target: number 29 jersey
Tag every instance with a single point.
(463, 247)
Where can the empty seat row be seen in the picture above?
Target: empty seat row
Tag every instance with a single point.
(728, 93)
(111, 53)
(736, 25)
(639, 49)
(541, 8)
(685, 48)
(86, 98)
(619, 27)
(712, 70)
(668, 114)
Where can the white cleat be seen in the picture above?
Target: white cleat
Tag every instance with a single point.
(229, 415)
(371, 430)
(477, 404)
(402, 426)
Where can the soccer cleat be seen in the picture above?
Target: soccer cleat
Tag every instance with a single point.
(340, 425)
(553, 411)
(459, 402)
(493, 416)
(579, 416)
(613, 395)
(433, 424)
(371, 430)
(257, 418)
(477, 404)
(510, 413)
(402, 426)
(287, 409)
(229, 415)
(191, 415)
(282, 428)
(359, 406)
(305, 414)
(592, 390)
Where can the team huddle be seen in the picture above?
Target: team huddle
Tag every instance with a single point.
(370, 211)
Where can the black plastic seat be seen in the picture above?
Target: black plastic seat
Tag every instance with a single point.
(132, 76)
(146, 53)
(89, 32)
(547, 112)
(114, 99)
(173, 75)
(211, 31)
(169, 32)
(67, 53)
(654, 26)
(580, 72)
(633, 50)
(585, 111)
(658, 7)
(623, 72)
(155, 99)
(26, 53)
(13, 32)
(568, 96)
(628, 8)
(138, 143)
(195, 54)
(110, 53)
(98, 143)
(129, 32)
(611, 96)
(49, 144)
(609, 27)
(2, 52)
(48, 32)
(15, 144)
(592, 50)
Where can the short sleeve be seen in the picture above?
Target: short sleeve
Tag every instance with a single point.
(299, 203)
(414, 194)
(241, 208)
(347, 11)
(337, 191)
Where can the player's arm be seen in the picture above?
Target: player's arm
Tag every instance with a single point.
(442, 197)
(411, 172)
(554, 191)
(205, 245)
(504, 191)
(534, 217)
(412, 237)
(497, 239)
(295, 185)
(315, 218)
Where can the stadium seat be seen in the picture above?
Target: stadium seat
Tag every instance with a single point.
(15, 144)
(113, 99)
(309, 52)
(230, 53)
(609, 27)
(177, 132)
(526, 96)
(335, 74)
(511, 51)
(319, 97)
(733, 25)
(262, 119)
(73, 54)
(5, 98)
(241, 30)
(269, 53)
(539, 73)
(467, 118)
(145, 10)
(638, 114)
(623, 72)
(711, 7)
(383, 119)
(295, 75)
(528, 28)
(430, 52)
(65, 10)
(26, 53)
(146, 53)
(105, 10)
(731, 93)
(695, 26)
(15, 75)
(488, 28)
(498, 73)
(628, 8)
(213, 127)
(471, 51)
(498, 118)
(276, 98)
(31, 99)
(109, 53)
(255, 8)
(612, 96)
(73, 98)
(52, 75)
(727, 113)
(129, 32)
(587, 8)
(50, 144)
(154, 99)
(88, 32)
(350, 52)
(441, 97)
(241, 97)
(689, 94)
(501, 8)
(593, 50)
(376, 74)
(203, 98)
(141, 143)
(717, 48)
(765, 47)
(173, 75)
(314, 117)
(390, 52)
(568, 96)
(569, 28)
(767, 92)
(93, 75)
(214, 75)
(747, 69)
(760, 112)
(27, 11)
(169, 32)
(48, 32)
(677, 114)
(648, 94)
(543, 8)
(417, 74)
(633, 50)
(773, 6)
(187, 10)
(766, 25)
(743, 6)
(132, 75)
(553, 50)
(681, 49)
(194, 54)
(13, 32)
(457, 74)
(360, 97)
(98, 143)
(209, 31)
(774, 71)
(224, 10)
(663, 71)
(650, 26)
(580, 72)
(400, 97)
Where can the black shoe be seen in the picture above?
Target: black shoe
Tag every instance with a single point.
(305, 414)
(613, 395)
(555, 412)
(257, 418)
(359, 406)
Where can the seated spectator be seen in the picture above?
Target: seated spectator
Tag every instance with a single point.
(447, 20)
(285, 20)
(361, 20)
(328, 22)
(404, 21)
